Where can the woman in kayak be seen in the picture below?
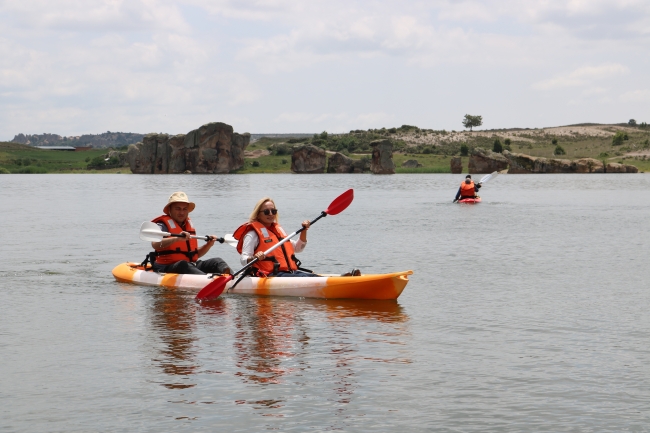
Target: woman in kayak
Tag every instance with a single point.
(260, 233)
(467, 189)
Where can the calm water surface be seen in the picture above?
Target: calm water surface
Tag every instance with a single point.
(528, 312)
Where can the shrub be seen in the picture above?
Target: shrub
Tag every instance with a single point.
(392, 130)
(559, 150)
(618, 138)
(603, 155)
(281, 149)
(256, 164)
(643, 125)
(31, 170)
(646, 144)
(506, 144)
(464, 150)
(87, 159)
(284, 161)
(323, 135)
(554, 142)
(4, 171)
(497, 147)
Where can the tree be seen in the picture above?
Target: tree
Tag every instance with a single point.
(498, 148)
(464, 150)
(632, 122)
(472, 121)
(506, 144)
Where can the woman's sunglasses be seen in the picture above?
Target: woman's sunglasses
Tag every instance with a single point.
(269, 211)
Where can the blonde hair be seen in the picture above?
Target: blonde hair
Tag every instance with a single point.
(258, 206)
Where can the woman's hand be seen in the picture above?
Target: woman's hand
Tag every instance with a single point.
(305, 224)
(260, 255)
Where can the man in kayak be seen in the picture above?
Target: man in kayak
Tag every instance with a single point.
(180, 255)
(260, 233)
(467, 189)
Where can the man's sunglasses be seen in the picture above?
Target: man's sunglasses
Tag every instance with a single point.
(269, 211)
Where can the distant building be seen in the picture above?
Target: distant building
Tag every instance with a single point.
(70, 148)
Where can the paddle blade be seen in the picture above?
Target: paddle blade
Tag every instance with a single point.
(214, 289)
(489, 177)
(230, 240)
(340, 203)
(150, 232)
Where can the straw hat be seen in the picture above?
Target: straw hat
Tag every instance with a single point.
(178, 197)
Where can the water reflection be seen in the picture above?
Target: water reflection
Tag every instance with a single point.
(268, 331)
(279, 341)
(173, 319)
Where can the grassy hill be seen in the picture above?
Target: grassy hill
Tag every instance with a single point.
(20, 158)
(433, 148)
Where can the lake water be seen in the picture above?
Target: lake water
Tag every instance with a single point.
(527, 312)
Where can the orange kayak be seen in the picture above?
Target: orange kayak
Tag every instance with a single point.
(370, 286)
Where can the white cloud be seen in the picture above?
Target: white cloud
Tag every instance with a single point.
(583, 76)
(641, 95)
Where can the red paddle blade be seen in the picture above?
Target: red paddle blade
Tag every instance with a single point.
(213, 289)
(340, 203)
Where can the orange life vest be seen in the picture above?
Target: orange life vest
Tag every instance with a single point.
(280, 259)
(178, 251)
(467, 189)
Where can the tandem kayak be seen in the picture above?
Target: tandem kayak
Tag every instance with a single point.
(470, 200)
(371, 286)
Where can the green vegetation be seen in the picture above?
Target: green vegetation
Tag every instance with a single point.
(472, 121)
(497, 147)
(559, 150)
(19, 158)
(619, 137)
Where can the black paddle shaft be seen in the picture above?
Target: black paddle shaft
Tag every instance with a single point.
(205, 238)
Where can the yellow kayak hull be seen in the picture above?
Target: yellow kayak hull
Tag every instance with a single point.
(371, 286)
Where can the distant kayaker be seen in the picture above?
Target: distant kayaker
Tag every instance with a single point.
(260, 233)
(180, 255)
(467, 189)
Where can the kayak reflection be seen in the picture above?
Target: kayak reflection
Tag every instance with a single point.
(273, 337)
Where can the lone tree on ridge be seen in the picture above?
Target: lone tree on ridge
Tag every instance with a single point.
(472, 121)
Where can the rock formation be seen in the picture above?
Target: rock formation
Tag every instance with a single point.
(212, 148)
(121, 157)
(614, 167)
(521, 164)
(456, 164)
(411, 163)
(308, 159)
(382, 157)
(486, 161)
(339, 163)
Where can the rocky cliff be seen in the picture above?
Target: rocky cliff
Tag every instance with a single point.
(308, 159)
(486, 161)
(521, 164)
(382, 157)
(212, 148)
(339, 163)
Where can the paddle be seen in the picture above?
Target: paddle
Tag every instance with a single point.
(213, 289)
(151, 232)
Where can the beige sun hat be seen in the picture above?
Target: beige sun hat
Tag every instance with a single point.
(178, 197)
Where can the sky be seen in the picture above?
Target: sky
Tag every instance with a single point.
(74, 67)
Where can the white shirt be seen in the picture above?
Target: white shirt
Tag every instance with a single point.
(251, 241)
